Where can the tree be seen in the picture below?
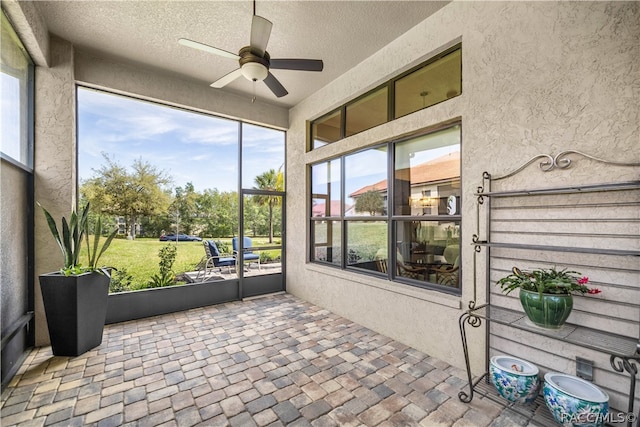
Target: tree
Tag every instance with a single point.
(270, 181)
(132, 195)
(372, 202)
(255, 219)
(185, 205)
(218, 212)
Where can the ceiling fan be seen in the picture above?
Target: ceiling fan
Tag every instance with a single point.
(254, 59)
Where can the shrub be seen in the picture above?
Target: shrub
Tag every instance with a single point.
(120, 281)
(166, 276)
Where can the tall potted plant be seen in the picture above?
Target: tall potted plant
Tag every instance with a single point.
(75, 298)
(546, 294)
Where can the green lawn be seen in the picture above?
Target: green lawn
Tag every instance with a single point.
(140, 256)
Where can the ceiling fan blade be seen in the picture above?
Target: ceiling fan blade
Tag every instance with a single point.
(207, 48)
(275, 86)
(297, 64)
(260, 32)
(227, 78)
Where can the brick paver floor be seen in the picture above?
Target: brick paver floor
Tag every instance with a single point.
(269, 361)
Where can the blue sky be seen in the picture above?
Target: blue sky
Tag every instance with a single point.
(10, 119)
(188, 146)
(370, 166)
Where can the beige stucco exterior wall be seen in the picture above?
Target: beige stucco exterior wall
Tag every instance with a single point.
(538, 78)
(170, 89)
(55, 161)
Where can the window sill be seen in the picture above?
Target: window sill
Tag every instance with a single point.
(428, 295)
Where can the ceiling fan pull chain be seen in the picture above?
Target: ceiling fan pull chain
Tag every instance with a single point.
(254, 88)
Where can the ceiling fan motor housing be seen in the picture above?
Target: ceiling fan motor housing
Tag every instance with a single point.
(253, 67)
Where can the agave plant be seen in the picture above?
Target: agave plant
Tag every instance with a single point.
(70, 242)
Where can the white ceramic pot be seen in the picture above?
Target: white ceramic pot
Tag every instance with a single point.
(574, 401)
(515, 379)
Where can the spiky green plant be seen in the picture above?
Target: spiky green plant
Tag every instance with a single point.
(70, 241)
(95, 254)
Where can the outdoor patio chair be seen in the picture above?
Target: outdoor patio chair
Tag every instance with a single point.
(402, 270)
(213, 259)
(449, 274)
(249, 255)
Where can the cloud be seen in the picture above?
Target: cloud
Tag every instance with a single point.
(191, 147)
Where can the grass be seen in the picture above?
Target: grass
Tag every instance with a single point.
(140, 258)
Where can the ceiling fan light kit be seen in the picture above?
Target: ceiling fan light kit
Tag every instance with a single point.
(254, 59)
(254, 71)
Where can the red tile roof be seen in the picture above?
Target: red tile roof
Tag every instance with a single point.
(439, 169)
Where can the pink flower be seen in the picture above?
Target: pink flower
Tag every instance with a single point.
(594, 291)
(584, 280)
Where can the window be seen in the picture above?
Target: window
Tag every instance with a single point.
(326, 201)
(418, 233)
(434, 81)
(367, 112)
(326, 130)
(17, 99)
(430, 84)
(365, 177)
(427, 190)
(155, 171)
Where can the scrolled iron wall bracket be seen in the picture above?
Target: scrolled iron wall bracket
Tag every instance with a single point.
(559, 161)
(468, 318)
(621, 364)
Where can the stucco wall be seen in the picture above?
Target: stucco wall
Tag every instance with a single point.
(537, 78)
(55, 161)
(173, 90)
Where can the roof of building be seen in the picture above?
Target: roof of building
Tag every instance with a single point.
(439, 169)
(334, 209)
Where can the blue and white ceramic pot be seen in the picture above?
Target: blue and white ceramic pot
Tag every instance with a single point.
(574, 401)
(515, 379)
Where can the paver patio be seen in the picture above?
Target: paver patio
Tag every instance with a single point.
(269, 361)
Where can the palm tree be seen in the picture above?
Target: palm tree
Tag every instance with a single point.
(270, 181)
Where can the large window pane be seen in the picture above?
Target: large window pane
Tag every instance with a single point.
(366, 242)
(15, 90)
(165, 177)
(326, 129)
(426, 217)
(429, 251)
(427, 174)
(263, 224)
(429, 85)
(327, 242)
(262, 158)
(367, 112)
(366, 182)
(325, 188)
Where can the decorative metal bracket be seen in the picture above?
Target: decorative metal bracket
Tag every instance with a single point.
(621, 364)
(468, 318)
(559, 161)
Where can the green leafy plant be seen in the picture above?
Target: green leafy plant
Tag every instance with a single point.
(120, 281)
(166, 276)
(547, 281)
(94, 252)
(70, 241)
(223, 247)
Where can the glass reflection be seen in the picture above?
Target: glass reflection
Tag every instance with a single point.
(431, 249)
(327, 238)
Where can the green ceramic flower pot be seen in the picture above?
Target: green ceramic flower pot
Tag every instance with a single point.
(547, 311)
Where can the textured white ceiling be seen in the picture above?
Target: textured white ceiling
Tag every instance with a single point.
(146, 33)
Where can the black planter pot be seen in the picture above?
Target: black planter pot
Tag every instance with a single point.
(76, 308)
